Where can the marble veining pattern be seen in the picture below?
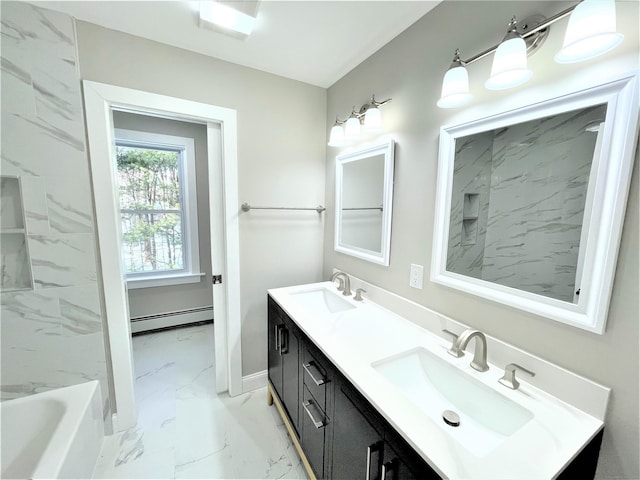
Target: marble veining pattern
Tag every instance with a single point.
(52, 333)
(532, 186)
(14, 269)
(62, 260)
(185, 429)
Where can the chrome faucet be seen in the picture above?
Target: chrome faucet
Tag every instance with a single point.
(479, 361)
(347, 284)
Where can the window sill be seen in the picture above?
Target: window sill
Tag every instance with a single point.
(163, 281)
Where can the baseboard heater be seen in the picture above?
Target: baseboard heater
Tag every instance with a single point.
(171, 319)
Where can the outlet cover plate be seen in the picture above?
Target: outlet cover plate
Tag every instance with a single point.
(416, 276)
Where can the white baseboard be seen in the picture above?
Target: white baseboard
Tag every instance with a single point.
(114, 423)
(170, 319)
(254, 381)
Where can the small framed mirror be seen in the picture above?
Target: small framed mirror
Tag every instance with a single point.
(364, 196)
(530, 203)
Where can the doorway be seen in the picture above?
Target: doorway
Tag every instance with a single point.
(164, 212)
(100, 102)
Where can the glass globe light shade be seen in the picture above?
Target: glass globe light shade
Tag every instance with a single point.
(373, 120)
(455, 88)
(591, 32)
(352, 128)
(336, 137)
(509, 67)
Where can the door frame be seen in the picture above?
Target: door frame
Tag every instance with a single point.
(222, 154)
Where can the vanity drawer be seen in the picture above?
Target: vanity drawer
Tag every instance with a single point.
(314, 425)
(315, 376)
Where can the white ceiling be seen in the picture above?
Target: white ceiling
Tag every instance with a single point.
(316, 42)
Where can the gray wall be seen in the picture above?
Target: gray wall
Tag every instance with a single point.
(281, 151)
(52, 335)
(173, 298)
(409, 69)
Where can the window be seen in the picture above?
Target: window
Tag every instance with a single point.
(156, 179)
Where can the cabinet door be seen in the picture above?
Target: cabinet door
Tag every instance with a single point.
(357, 445)
(290, 348)
(396, 469)
(401, 462)
(275, 328)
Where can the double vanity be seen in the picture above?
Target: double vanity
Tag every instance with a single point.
(369, 393)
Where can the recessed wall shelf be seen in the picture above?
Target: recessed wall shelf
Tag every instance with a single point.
(470, 211)
(15, 264)
(469, 231)
(471, 206)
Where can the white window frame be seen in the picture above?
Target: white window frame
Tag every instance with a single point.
(187, 174)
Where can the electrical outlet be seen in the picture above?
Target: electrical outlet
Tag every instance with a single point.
(416, 276)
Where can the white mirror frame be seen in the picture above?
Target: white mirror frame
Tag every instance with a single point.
(385, 148)
(610, 186)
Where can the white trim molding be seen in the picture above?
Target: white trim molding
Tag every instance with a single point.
(386, 148)
(100, 100)
(604, 213)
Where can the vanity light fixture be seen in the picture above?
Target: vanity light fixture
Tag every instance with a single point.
(591, 32)
(509, 67)
(455, 86)
(367, 120)
(352, 126)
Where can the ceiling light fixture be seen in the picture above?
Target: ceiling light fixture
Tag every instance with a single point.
(591, 32)
(226, 17)
(367, 120)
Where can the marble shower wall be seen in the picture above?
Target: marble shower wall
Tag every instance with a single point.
(471, 176)
(52, 335)
(531, 180)
(540, 173)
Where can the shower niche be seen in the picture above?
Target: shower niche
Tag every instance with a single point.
(15, 265)
(470, 212)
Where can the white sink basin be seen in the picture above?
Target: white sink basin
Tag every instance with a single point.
(323, 301)
(487, 418)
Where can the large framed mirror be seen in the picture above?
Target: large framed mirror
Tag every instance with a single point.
(530, 203)
(364, 197)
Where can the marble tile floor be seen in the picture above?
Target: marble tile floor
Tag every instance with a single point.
(185, 429)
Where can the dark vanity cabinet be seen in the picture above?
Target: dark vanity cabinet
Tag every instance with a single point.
(358, 441)
(341, 434)
(317, 382)
(284, 360)
(366, 446)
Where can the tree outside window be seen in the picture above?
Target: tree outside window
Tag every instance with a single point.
(151, 208)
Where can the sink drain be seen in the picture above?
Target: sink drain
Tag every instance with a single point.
(451, 418)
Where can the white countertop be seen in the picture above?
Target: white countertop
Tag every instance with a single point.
(356, 338)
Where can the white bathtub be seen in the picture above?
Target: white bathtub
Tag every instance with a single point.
(55, 434)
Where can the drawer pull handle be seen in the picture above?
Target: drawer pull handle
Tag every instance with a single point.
(316, 423)
(310, 368)
(371, 449)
